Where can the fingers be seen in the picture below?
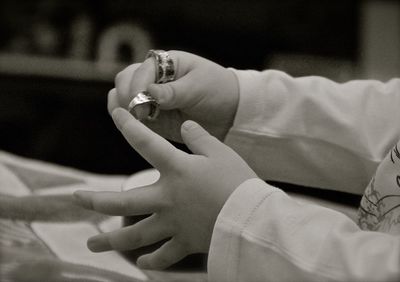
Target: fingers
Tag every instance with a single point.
(151, 146)
(199, 141)
(139, 77)
(140, 111)
(145, 232)
(137, 201)
(123, 84)
(177, 94)
(144, 75)
(169, 253)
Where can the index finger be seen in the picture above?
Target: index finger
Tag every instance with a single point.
(123, 82)
(142, 78)
(152, 147)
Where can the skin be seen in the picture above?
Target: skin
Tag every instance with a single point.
(49, 208)
(202, 91)
(184, 202)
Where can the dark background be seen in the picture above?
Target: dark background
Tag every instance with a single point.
(237, 33)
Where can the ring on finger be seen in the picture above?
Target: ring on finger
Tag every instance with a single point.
(143, 98)
(165, 68)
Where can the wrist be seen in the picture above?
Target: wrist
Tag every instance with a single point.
(232, 103)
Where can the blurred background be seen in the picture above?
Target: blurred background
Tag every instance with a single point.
(58, 59)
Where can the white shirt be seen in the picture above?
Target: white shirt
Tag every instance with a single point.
(317, 133)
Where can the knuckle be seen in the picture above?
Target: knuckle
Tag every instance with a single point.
(122, 206)
(165, 204)
(170, 92)
(175, 162)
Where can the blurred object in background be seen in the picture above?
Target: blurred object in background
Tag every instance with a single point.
(82, 36)
(377, 55)
(44, 38)
(123, 42)
(234, 33)
(380, 39)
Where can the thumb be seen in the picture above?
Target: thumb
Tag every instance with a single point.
(199, 141)
(173, 95)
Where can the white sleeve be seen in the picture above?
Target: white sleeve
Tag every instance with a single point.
(312, 131)
(261, 234)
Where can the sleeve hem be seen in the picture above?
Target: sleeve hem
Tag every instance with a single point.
(231, 222)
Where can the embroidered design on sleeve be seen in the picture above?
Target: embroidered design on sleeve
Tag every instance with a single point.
(396, 152)
(369, 209)
(380, 206)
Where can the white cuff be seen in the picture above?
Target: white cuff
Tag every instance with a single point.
(223, 256)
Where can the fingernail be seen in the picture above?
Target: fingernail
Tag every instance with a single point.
(98, 244)
(189, 125)
(82, 199)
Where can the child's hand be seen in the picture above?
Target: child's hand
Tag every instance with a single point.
(185, 201)
(203, 91)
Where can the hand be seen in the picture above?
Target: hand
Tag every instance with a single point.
(185, 201)
(203, 91)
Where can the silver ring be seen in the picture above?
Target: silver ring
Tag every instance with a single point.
(144, 98)
(165, 69)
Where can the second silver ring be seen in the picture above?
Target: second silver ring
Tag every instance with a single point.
(143, 98)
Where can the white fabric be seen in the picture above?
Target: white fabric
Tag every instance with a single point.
(317, 133)
(313, 131)
(380, 205)
(72, 248)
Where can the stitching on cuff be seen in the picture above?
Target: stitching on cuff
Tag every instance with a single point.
(248, 220)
